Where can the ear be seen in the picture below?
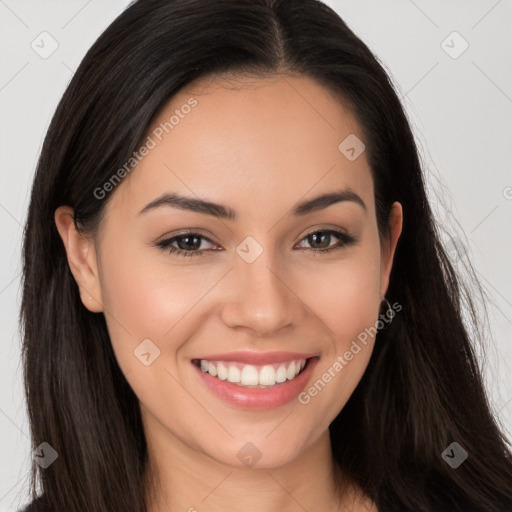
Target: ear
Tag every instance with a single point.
(395, 221)
(81, 255)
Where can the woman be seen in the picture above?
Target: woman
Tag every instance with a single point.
(266, 138)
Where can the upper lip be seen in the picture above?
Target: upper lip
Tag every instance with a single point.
(257, 358)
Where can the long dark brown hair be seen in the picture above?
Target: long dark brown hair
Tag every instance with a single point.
(422, 389)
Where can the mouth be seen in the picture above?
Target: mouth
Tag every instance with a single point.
(250, 375)
(254, 386)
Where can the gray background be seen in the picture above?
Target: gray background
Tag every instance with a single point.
(460, 109)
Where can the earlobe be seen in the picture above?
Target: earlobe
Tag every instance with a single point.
(81, 256)
(389, 247)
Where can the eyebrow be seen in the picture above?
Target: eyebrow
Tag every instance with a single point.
(321, 202)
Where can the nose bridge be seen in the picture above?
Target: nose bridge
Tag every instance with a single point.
(263, 300)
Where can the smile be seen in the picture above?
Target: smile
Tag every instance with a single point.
(252, 375)
(248, 385)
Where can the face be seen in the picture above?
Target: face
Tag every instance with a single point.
(251, 282)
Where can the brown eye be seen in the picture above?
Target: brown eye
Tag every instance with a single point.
(320, 240)
(188, 244)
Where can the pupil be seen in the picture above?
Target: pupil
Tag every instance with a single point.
(313, 239)
(186, 244)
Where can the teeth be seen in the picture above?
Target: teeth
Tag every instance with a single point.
(251, 375)
(222, 372)
(233, 374)
(267, 376)
(281, 373)
(212, 369)
(290, 373)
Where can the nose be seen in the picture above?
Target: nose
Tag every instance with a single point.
(261, 298)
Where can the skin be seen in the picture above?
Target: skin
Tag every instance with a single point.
(258, 146)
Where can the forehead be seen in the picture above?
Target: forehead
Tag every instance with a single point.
(249, 143)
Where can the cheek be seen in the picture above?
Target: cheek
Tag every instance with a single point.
(147, 286)
(346, 299)
(153, 301)
(346, 295)
(144, 300)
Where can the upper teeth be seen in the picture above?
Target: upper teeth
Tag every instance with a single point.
(251, 375)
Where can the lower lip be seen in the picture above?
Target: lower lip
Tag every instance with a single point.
(258, 398)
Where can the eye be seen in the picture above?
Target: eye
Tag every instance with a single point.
(319, 240)
(188, 244)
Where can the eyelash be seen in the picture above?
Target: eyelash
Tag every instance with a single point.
(345, 240)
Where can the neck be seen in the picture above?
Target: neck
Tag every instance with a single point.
(186, 479)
